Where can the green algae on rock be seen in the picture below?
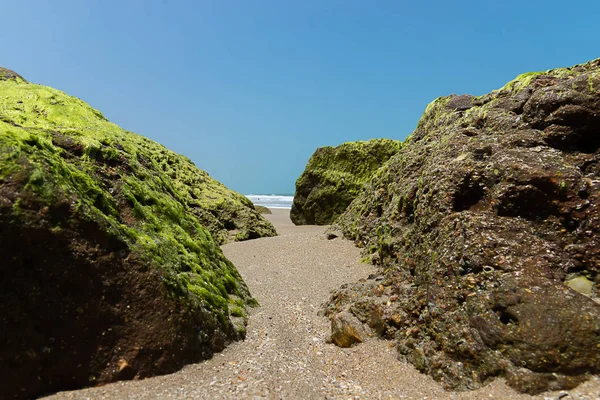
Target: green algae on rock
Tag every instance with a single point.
(478, 225)
(334, 176)
(111, 265)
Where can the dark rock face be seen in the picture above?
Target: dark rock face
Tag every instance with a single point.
(110, 261)
(483, 224)
(334, 176)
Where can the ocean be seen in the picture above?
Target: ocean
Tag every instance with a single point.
(271, 200)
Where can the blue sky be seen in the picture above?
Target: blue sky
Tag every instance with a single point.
(249, 89)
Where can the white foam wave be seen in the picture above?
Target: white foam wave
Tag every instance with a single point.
(271, 200)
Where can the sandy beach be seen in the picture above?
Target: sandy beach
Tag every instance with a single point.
(286, 354)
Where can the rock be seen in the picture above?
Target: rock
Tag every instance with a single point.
(332, 232)
(123, 364)
(7, 74)
(262, 209)
(359, 319)
(460, 103)
(331, 235)
(477, 222)
(110, 250)
(125, 371)
(334, 176)
(346, 330)
(581, 284)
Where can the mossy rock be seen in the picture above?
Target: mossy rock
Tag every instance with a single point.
(111, 265)
(479, 225)
(334, 176)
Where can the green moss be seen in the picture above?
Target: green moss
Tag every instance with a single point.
(434, 115)
(524, 80)
(47, 110)
(521, 81)
(157, 202)
(237, 312)
(335, 175)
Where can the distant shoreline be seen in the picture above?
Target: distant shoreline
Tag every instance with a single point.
(274, 201)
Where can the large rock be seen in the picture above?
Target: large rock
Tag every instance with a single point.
(486, 226)
(111, 266)
(334, 176)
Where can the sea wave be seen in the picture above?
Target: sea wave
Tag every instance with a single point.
(271, 200)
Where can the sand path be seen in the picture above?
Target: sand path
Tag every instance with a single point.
(285, 354)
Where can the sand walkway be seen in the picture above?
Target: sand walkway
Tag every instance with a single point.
(285, 354)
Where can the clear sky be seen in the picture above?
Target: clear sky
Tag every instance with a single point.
(248, 89)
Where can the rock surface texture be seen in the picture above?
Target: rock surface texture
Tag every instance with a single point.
(334, 176)
(111, 267)
(486, 228)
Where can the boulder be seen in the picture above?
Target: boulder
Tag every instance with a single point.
(111, 266)
(334, 176)
(486, 226)
(262, 209)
